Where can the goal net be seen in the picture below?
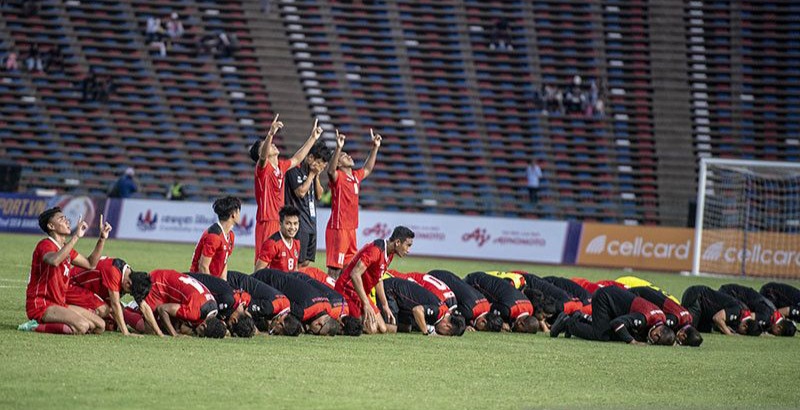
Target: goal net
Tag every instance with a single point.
(748, 218)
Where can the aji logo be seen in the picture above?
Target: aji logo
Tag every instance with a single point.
(379, 230)
(147, 221)
(479, 235)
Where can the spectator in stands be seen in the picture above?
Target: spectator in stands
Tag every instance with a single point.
(104, 88)
(501, 36)
(575, 99)
(33, 60)
(10, 63)
(155, 34)
(175, 192)
(534, 174)
(174, 27)
(55, 60)
(125, 186)
(553, 100)
(89, 85)
(227, 44)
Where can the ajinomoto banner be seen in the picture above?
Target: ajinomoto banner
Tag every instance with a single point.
(733, 252)
(638, 247)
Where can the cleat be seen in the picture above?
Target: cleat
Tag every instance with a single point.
(559, 325)
(28, 326)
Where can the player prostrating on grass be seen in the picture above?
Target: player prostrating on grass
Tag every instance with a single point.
(364, 273)
(513, 306)
(472, 305)
(345, 184)
(281, 250)
(418, 308)
(216, 244)
(713, 309)
(53, 258)
(270, 173)
(268, 307)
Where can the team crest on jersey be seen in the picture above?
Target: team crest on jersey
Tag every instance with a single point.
(245, 226)
(296, 254)
(147, 221)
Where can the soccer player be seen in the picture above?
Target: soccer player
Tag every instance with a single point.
(107, 282)
(677, 317)
(231, 309)
(269, 177)
(345, 184)
(785, 297)
(472, 305)
(281, 250)
(307, 303)
(592, 287)
(53, 258)
(349, 325)
(417, 308)
(618, 315)
(319, 275)
(216, 244)
(268, 307)
(514, 307)
(547, 299)
(431, 284)
(711, 308)
(765, 312)
(175, 295)
(363, 274)
(573, 289)
(635, 282)
(303, 189)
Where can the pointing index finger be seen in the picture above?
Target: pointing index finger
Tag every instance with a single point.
(276, 117)
(315, 123)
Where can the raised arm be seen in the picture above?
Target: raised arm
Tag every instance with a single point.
(55, 258)
(334, 162)
(94, 257)
(373, 154)
(273, 129)
(301, 153)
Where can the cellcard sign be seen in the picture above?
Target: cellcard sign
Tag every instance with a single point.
(175, 221)
(641, 247)
(757, 253)
(464, 236)
(19, 213)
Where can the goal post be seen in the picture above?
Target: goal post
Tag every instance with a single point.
(748, 218)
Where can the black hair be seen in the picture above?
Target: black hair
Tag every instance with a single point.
(458, 325)
(667, 336)
(789, 328)
(321, 151)
(752, 328)
(44, 218)
(528, 324)
(225, 207)
(291, 326)
(140, 286)
(352, 326)
(401, 233)
(693, 337)
(119, 264)
(215, 328)
(494, 322)
(540, 302)
(330, 327)
(254, 150)
(262, 324)
(244, 327)
(288, 210)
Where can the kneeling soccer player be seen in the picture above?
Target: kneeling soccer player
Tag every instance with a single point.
(268, 307)
(785, 297)
(678, 317)
(417, 308)
(307, 303)
(513, 306)
(472, 305)
(766, 314)
(175, 295)
(711, 308)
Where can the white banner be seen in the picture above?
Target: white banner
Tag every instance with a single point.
(436, 235)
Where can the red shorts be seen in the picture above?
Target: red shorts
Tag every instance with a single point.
(354, 306)
(340, 247)
(265, 229)
(36, 307)
(84, 298)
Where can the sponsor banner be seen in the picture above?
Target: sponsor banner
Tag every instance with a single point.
(640, 247)
(758, 254)
(463, 236)
(19, 213)
(177, 221)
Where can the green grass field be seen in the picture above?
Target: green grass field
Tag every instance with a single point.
(487, 371)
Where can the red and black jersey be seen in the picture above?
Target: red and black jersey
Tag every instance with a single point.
(573, 289)
(783, 295)
(104, 278)
(764, 310)
(677, 316)
(278, 255)
(471, 303)
(629, 316)
(432, 284)
(319, 275)
(509, 302)
(404, 295)
(222, 291)
(169, 286)
(592, 287)
(307, 303)
(703, 303)
(265, 301)
(338, 304)
(215, 245)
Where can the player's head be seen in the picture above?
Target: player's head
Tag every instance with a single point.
(53, 220)
(290, 221)
(286, 325)
(748, 326)
(319, 152)
(140, 286)
(212, 328)
(228, 207)
(661, 335)
(345, 160)
(489, 322)
(688, 336)
(351, 326)
(543, 305)
(323, 326)
(526, 324)
(245, 326)
(783, 327)
(451, 325)
(401, 240)
(255, 148)
(125, 272)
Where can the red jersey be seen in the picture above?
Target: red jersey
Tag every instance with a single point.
(213, 244)
(652, 313)
(373, 256)
(278, 255)
(269, 190)
(592, 287)
(169, 286)
(430, 283)
(344, 200)
(101, 280)
(319, 275)
(46, 281)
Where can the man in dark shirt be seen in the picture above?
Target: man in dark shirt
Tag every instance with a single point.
(785, 297)
(231, 311)
(710, 309)
(307, 303)
(514, 307)
(573, 289)
(415, 307)
(766, 314)
(678, 318)
(268, 307)
(475, 308)
(350, 326)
